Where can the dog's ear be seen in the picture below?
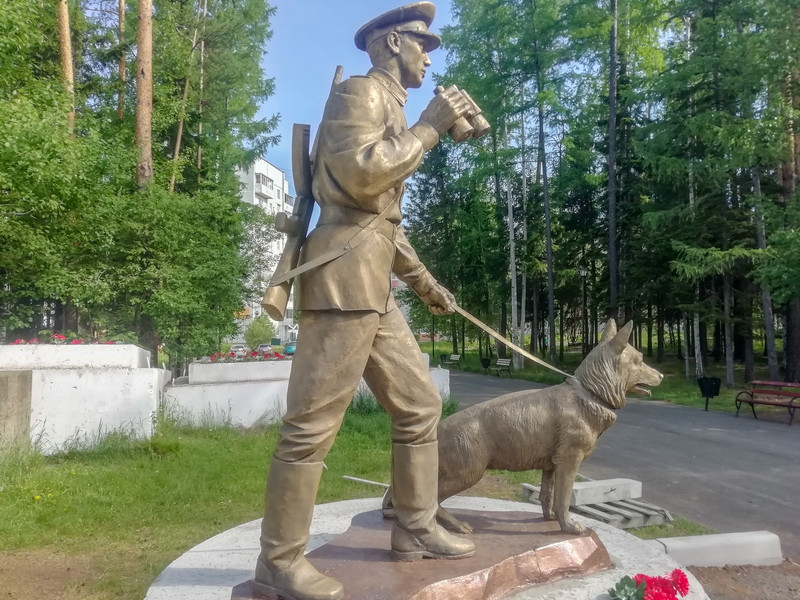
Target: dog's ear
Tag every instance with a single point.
(621, 339)
(609, 331)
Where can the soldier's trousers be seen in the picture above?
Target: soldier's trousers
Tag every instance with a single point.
(334, 349)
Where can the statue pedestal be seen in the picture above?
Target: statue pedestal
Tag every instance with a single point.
(514, 550)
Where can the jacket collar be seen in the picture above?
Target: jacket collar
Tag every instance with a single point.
(390, 83)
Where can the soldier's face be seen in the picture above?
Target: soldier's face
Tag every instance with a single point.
(414, 61)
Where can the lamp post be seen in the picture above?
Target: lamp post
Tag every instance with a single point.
(583, 271)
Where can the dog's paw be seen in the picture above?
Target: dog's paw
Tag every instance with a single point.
(463, 527)
(549, 515)
(456, 526)
(570, 526)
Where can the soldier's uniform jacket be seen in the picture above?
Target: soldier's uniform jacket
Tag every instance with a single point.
(365, 151)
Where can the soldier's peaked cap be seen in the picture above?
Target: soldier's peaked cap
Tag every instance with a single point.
(410, 18)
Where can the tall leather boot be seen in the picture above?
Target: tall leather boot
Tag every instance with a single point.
(281, 568)
(415, 480)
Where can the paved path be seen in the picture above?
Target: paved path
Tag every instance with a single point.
(730, 474)
(471, 388)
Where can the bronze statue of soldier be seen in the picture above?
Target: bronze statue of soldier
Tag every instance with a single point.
(350, 325)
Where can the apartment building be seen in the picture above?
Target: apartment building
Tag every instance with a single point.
(266, 186)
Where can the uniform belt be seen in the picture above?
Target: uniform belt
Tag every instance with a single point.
(342, 215)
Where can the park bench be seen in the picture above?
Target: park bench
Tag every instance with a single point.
(500, 365)
(454, 360)
(770, 393)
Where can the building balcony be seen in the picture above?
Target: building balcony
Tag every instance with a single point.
(265, 190)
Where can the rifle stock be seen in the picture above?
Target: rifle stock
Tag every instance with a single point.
(276, 297)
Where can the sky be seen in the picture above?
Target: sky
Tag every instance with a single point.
(309, 39)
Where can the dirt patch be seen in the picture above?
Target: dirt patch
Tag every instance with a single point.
(494, 486)
(781, 582)
(45, 574)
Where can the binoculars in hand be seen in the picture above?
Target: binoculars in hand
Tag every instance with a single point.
(472, 125)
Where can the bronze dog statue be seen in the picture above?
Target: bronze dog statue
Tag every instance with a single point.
(552, 429)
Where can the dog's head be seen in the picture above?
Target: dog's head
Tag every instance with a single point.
(614, 367)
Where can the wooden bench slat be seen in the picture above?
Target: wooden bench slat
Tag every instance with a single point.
(771, 402)
(786, 393)
(761, 382)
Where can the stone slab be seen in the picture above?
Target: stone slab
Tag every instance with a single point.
(595, 492)
(241, 403)
(514, 551)
(232, 372)
(15, 405)
(210, 570)
(74, 408)
(759, 548)
(79, 356)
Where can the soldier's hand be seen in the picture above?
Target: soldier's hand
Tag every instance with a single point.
(439, 300)
(443, 110)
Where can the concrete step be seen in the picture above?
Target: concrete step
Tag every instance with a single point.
(612, 501)
(593, 492)
(759, 548)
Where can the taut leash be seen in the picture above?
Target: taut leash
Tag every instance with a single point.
(508, 343)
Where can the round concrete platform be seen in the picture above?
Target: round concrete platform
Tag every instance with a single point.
(211, 569)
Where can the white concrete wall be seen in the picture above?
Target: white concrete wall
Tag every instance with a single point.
(241, 404)
(75, 407)
(79, 356)
(264, 370)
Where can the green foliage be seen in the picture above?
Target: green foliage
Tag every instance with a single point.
(706, 106)
(627, 589)
(83, 249)
(780, 268)
(261, 331)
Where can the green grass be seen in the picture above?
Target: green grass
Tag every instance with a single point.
(129, 508)
(133, 506)
(678, 528)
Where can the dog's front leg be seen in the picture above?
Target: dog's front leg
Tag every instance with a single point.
(565, 472)
(546, 495)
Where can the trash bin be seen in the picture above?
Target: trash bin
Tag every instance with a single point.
(709, 387)
(485, 362)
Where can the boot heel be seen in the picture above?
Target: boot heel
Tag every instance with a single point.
(407, 556)
(267, 592)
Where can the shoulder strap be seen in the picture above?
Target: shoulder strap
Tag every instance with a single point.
(334, 253)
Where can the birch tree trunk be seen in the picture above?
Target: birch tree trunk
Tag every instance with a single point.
(144, 93)
(698, 347)
(512, 264)
(726, 302)
(766, 297)
(551, 306)
(613, 259)
(524, 291)
(685, 324)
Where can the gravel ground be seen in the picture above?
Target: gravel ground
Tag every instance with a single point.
(781, 582)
